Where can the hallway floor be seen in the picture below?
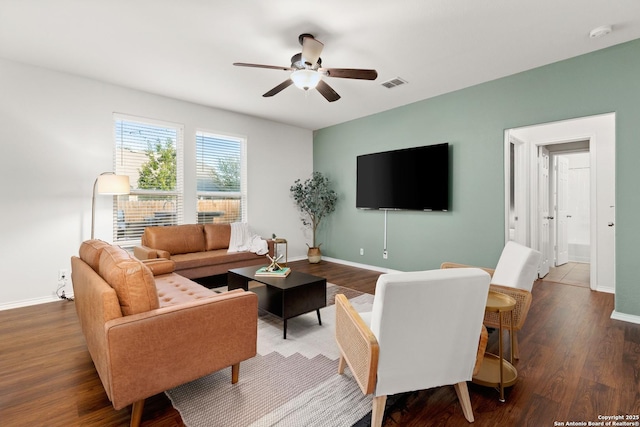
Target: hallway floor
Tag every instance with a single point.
(571, 273)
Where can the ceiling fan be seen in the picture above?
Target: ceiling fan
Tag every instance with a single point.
(307, 71)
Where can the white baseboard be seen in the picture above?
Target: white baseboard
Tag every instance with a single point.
(358, 265)
(616, 315)
(27, 302)
(606, 289)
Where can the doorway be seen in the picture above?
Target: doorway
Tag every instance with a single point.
(570, 200)
(538, 194)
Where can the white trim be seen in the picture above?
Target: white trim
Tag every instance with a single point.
(298, 258)
(616, 315)
(349, 263)
(358, 265)
(147, 120)
(28, 302)
(521, 205)
(605, 289)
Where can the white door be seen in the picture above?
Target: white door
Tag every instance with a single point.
(603, 242)
(562, 214)
(544, 216)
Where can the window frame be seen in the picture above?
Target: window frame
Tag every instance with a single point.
(178, 192)
(242, 194)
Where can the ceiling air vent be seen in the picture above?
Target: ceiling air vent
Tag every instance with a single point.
(395, 82)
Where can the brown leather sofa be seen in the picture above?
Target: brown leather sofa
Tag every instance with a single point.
(149, 330)
(198, 250)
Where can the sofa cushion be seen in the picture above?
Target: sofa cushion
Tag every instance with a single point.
(130, 278)
(217, 257)
(175, 239)
(90, 251)
(174, 289)
(217, 236)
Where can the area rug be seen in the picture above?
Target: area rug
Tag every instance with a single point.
(289, 383)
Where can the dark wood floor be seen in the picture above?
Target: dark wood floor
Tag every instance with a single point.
(576, 363)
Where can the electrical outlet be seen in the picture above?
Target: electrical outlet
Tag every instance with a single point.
(361, 251)
(385, 254)
(63, 275)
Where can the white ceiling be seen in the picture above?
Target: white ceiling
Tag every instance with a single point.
(185, 49)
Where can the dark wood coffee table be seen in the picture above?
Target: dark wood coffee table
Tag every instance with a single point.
(284, 297)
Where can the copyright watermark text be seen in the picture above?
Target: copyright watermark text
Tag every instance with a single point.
(604, 421)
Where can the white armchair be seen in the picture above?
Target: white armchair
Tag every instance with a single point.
(517, 267)
(425, 330)
(514, 275)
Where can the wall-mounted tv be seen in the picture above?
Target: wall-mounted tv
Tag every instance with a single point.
(411, 178)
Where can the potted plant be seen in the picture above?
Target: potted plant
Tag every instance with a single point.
(315, 200)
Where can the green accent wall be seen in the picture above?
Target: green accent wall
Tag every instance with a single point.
(473, 121)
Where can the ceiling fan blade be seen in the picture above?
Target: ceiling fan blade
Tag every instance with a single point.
(311, 50)
(271, 67)
(327, 91)
(350, 73)
(285, 84)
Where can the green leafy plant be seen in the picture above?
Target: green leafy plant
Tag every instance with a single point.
(315, 200)
(227, 175)
(160, 171)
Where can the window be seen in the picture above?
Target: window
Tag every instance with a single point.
(150, 153)
(220, 178)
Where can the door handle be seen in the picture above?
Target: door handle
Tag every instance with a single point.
(548, 217)
(610, 224)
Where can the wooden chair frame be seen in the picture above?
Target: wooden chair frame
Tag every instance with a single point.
(359, 349)
(523, 303)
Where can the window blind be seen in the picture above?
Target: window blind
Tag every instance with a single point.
(220, 178)
(150, 153)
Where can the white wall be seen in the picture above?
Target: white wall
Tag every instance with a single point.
(56, 135)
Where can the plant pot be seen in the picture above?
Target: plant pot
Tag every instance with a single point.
(314, 255)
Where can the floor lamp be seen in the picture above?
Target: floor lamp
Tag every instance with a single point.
(107, 183)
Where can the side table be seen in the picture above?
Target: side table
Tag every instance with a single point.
(495, 371)
(280, 241)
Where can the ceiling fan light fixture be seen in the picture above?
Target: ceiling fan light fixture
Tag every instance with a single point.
(307, 71)
(306, 79)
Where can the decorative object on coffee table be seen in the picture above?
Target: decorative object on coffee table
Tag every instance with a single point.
(264, 272)
(274, 266)
(274, 269)
(315, 200)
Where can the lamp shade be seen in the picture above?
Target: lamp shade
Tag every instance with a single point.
(306, 79)
(110, 184)
(107, 183)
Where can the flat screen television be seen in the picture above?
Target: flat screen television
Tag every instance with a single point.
(411, 178)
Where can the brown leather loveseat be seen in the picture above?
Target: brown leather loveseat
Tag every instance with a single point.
(198, 250)
(149, 330)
